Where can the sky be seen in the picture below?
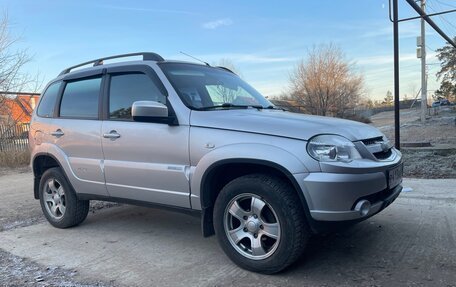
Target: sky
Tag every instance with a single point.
(264, 39)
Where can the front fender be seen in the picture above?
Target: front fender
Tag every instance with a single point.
(245, 152)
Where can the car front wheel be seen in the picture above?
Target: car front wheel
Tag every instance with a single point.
(260, 223)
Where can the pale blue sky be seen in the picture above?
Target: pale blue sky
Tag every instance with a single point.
(264, 39)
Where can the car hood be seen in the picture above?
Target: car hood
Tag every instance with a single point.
(281, 123)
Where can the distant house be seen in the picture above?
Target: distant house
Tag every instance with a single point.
(18, 107)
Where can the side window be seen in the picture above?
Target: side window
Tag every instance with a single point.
(47, 103)
(80, 99)
(125, 89)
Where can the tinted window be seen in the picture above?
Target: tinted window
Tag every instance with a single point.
(128, 88)
(47, 103)
(80, 99)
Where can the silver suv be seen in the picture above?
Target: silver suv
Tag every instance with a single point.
(198, 139)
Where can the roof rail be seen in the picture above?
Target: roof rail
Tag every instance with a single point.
(147, 56)
(226, 69)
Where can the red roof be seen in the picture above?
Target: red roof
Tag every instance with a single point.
(19, 108)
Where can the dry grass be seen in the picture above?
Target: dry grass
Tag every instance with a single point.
(14, 158)
(359, 118)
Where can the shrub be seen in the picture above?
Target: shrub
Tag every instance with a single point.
(359, 118)
(14, 158)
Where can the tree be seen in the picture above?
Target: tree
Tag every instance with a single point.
(324, 82)
(370, 104)
(447, 90)
(388, 100)
(12, 61)
(225, 94)
(12, 77)
(447, 73)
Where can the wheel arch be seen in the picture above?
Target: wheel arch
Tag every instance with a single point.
(221, 172)
(40, 163)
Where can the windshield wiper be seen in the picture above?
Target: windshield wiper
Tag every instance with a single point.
(271, 107)
(228, 106)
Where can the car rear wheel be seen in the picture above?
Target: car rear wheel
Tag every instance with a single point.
(58, 201)
(260, 223)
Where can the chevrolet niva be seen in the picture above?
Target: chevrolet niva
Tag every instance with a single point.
(198, 139)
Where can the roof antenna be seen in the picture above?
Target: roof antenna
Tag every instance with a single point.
(195, 58)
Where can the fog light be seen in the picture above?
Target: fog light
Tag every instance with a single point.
(363, 206)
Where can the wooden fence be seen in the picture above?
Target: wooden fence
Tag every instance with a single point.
(14, 137)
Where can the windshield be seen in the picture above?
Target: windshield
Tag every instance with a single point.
(206, 88)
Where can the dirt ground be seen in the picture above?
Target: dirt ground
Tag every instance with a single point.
(19, 209)
(18, 271)
(411, 243)
(439, 129)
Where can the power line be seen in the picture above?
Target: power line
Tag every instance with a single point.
(445, 19)
(446, 4)
(442, 17)
(394, 12)
(430, 48)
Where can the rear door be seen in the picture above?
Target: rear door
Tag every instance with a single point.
(143, 161)
(76, 132)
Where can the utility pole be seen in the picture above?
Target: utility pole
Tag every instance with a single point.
(397, 137)
(394, 18)
(423, 66)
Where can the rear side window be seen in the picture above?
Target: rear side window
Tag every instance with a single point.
(47, 103)
(80, 99)
(125, 89)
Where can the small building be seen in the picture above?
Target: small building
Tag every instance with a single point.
(17, 107)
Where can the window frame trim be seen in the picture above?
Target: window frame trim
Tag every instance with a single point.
(83, 76)
(60, 82)
(132, 69)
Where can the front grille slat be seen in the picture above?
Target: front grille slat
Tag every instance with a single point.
(372, 141)
(376, 146)
(383, 154)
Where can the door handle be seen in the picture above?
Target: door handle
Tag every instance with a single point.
(57, 133)
(111, 135)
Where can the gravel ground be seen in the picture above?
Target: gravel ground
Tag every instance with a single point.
(439, 129)
(17, 271)
(19, 209)
(12, 203)
(411, 243)
(429, 164)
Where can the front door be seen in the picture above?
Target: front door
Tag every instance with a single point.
(143, 161)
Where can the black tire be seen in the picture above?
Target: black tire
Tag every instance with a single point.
(75, 210)
(282, 198)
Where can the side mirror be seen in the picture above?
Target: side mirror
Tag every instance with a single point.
(149, 111)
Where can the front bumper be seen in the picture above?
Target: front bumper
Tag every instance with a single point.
(333, 197)
(383, 199)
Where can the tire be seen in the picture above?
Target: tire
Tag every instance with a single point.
(58, 200)
(260, 223)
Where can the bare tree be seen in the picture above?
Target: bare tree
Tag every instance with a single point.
(325, 82)
(12, 77)
(11, 61)
(225, 94)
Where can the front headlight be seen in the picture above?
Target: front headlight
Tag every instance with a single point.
(332, 148)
